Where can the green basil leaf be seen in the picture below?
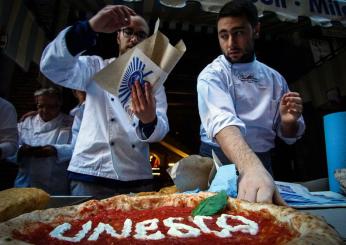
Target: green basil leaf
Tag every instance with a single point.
(211, 205)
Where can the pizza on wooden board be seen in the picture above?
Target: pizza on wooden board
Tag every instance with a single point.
(166, 219)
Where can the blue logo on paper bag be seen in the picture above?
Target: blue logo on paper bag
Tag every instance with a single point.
(135, 72)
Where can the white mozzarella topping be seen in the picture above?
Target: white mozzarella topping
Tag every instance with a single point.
(249, 226)
(175, 228)
(59, 231)
(199, 221)
(101, 227)
(148, 225)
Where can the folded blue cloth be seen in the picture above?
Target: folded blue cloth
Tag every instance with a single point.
(225, 179)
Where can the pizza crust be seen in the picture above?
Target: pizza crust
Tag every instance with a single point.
(312, 230)
(16, 201)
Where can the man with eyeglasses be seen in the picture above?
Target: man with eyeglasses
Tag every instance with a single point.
(111, 155)
(130, 34)
(42, 158)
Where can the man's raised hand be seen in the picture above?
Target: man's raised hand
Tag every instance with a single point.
(111, 18)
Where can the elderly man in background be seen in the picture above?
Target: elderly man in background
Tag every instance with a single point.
(8, 142)
(41, 158)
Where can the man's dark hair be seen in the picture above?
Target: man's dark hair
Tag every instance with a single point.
(237, 8)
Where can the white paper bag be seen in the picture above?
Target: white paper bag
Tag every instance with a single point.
(151, 60)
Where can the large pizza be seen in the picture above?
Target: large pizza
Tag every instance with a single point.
(166, 219)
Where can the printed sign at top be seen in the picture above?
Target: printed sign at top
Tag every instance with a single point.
(323, 8)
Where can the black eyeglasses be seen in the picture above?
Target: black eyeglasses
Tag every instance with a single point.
(129, 33)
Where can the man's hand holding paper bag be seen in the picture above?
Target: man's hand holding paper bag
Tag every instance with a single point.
(112, 147)
(143, 102)
(150, 61)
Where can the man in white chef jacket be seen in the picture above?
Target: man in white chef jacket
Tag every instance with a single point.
(111, 155)
(41, 159)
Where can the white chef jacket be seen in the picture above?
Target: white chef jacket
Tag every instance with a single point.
(109, 143)
(77, 112)
(47, 173)
(65, 150)
(246, 95)
(8, 129)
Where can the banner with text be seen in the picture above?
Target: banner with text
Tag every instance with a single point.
(321, 12)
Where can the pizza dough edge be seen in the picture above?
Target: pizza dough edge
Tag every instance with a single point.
(313, 230)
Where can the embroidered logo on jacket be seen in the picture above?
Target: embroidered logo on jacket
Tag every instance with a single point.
(246, 77)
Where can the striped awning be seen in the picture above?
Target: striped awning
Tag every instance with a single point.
(22, 39)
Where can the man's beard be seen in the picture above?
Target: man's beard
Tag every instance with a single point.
(246, 58)
(248, 54)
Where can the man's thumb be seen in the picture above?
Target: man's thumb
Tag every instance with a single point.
(277, 199)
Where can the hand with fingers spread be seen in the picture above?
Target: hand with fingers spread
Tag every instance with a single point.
(143, 102)
(291, 107)
(111, 18)
(255, 184)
